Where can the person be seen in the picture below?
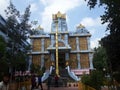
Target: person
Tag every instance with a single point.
(56, 80)
(40, 82)
(33, 82)
(48, 82)
(36, 81)
(4, 84)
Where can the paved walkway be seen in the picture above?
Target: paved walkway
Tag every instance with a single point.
(60, 88)
(64, 88)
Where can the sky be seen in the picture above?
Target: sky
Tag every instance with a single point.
(77, 12)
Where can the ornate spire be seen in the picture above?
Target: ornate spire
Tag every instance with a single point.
(59, 15)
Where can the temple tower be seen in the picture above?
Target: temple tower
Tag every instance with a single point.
(74, 52)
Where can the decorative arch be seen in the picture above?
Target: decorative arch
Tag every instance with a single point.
(61, 43)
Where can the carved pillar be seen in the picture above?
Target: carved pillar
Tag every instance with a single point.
(78, 58)
(91, 60)
(52, 40)
(59, 25)
(30, 62)
(42, 60)
(67, 58)
(88, 41)
(43, 42)
(77, 43)
(78, 54)
(42, 56)
(66, 39)
(31, 41)
(52, 58)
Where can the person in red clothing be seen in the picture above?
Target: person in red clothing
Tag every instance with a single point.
(56, 80)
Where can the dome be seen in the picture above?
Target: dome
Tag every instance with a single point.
(80, 26)
(39, 28)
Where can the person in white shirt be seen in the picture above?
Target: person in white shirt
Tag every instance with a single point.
(36, 81)
(4, 84)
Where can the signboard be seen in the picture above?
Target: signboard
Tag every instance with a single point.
(81, 71)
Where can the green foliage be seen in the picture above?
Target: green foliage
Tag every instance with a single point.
(37, 69)
(3, 60)
(100, 59)
(2, 45)
(17, 28)
(117, 76)
(95, 79)
(86, 79)
(17, 23)
(111, 42)
(3, 66)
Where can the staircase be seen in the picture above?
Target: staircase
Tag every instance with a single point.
(65, 75)
(72, 74)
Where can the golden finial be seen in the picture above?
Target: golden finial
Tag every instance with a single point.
(80, 26)
(39, 28)
(59, 14)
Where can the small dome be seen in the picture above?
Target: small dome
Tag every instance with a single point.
(80, 26)
(39, 28)
(81, 29)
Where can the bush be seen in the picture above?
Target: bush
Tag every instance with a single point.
(95, 79)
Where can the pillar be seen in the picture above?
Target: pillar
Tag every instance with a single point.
(78, 58)
(42, 60)
(78, 54)
(30, 62)
(91, 60)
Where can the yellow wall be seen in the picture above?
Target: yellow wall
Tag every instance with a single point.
(73, 61)
(62, 36)
(84, 57)
(83, 43)
(36, 45)
(84, 60)
(72, 42)
(47, 61)
(36, 59)
(47, 43)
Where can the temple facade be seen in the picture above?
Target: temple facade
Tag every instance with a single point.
(74, 52)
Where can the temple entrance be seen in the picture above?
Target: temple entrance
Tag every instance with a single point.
(61, 60)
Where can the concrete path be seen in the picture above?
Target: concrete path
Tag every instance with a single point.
(63, 88)
(60, 88)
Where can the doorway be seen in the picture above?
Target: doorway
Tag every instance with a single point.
(61, 60)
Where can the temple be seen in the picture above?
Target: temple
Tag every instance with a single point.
(61, 49)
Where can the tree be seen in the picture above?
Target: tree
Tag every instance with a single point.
(95, 79)
(18, 28)
(100, 59)
(3, 60)
(18, 25)
(2, 47)
(111, 42)
(36, 69)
